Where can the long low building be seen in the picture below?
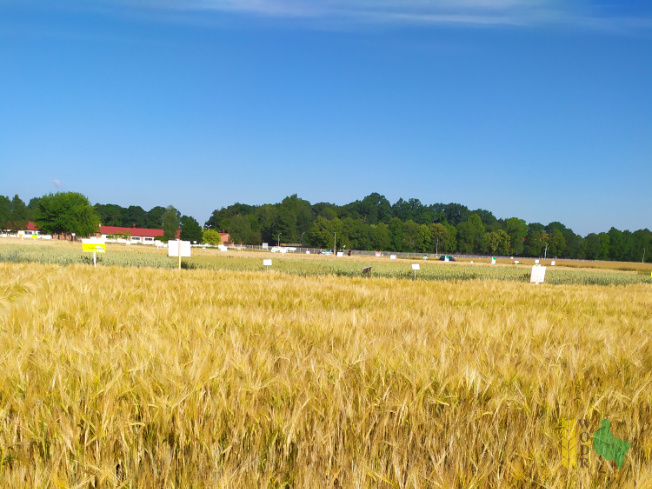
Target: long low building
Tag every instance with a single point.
(133, 234)
(119, 234)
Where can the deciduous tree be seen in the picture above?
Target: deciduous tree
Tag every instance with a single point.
(66, 213)
(190, 229)
(210, 236)
(171, 220)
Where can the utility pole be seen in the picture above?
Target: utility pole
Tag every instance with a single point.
(643, 260)
(545, 253)
(278, 240)
(437, 246)
(335, 243)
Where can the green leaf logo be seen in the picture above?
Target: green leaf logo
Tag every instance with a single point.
(609, 447)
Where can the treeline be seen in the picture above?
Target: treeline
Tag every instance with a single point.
(70, 213)
(372, 223)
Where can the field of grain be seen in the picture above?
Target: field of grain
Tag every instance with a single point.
(67, 253)
(144, 377)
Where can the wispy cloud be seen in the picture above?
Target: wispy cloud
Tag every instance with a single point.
(425, 12)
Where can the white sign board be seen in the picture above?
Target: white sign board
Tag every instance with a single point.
(552, 263)
(536, 262)
(222, 248)
(538, 274)
(267, 263)
(94, 245)
(173, 248)
(493, 260)
(446, 259)
(415, 266)
(392, 257)
(265, 246)
(379, 254)
(340, 253)
(94, 241)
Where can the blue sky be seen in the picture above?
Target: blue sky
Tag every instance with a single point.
(538, 109)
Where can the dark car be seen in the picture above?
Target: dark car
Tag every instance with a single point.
(443, 258)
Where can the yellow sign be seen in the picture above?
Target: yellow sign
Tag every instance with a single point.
(93, 248)
(33, 236)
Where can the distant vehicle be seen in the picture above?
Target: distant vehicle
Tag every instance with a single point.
(443, 258)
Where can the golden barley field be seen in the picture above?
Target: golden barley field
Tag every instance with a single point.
(141, 377)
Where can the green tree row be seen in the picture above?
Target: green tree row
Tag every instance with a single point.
(14, 214)
(408, 225)
(68, 213)
(371, 224)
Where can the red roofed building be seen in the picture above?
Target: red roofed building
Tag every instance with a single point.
(133, 234)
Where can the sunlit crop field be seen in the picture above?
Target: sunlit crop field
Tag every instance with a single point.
(565, 272)
(151, 377)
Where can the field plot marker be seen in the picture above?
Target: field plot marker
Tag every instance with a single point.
(95, 246)
(538, 274)
(179, 248)
(415, 267)
(267, 263)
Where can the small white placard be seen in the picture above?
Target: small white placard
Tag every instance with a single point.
(415, 266)
(536, 262)
(265, 246)
(538, 274)
(392, 257)
(379, 254)
(552, 263)
(173, 248)
(222, 248)
(267, 263)
(94, 241)
(340, 253)
(493, 260)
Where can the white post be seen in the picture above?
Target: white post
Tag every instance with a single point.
(179, 250)
(94, 259)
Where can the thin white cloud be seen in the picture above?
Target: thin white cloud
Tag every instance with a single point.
(56, 183)
(580, 13)
(406, 11)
